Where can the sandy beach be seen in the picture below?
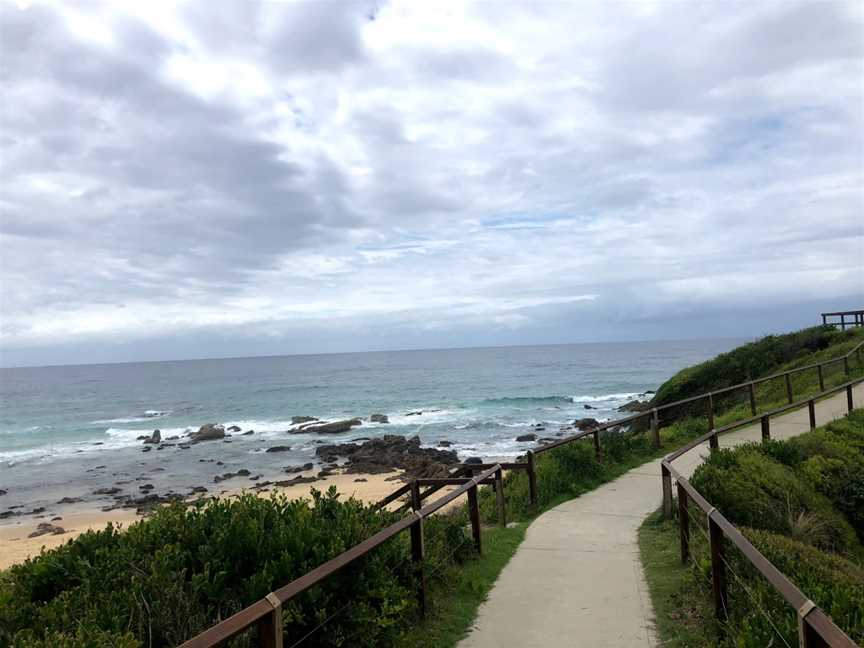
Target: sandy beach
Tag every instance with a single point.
(16, 546)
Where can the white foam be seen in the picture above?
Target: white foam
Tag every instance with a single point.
(624, 396)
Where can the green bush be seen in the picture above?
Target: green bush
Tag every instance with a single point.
(835, 584)
(167, 578)
(752, 489)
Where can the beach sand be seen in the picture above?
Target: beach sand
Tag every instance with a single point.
(16, 547)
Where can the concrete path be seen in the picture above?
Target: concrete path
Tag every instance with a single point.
(576, 579)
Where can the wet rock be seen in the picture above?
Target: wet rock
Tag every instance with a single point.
(38, 509)
(379, 418)
(56, 518)
(299, 479)
(107, 491)
(335, 427)
(297, 420)
(585, 424)
(198, 489)
(234, 428)
(142, 437)
(243, 472)
(44, 528)
(156, 437)
(587, 406)
(3, 492)
(70, 500)
(248, 432)
(389, 452)
(634, 406)
(297, 469)
(147, 449)
(417, 413)
(445, 444)
(473, 460)
(361, 479)
(146, 487)
(7, 514)
(526, 437)
(325, 473)
(209, 432)
(280, 448)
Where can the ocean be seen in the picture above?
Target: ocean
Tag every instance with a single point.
(71, 429)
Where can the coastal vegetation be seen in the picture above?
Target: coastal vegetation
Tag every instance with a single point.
(166, 578)
(800, 503)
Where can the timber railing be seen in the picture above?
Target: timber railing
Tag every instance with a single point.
(856, 315)
(266, 613)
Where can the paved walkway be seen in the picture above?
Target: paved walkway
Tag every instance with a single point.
(576, 579)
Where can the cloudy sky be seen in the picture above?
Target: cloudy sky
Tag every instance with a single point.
(199, 179)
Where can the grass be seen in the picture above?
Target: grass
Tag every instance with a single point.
(452, 609)
(683, 616)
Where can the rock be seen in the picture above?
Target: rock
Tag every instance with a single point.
(234, 428)
(361, 479)
(278, 449)
(7, 514)
(45, 528)
(143, 437)
(587, 406)
(147, 449)
(3, 492)
(198, 489)
(634, 406)
(209, 432)
(172, 438)
(333, 428)
(297, 420)
(417, 413)
(473, 460)
(299, 479)
(156, 437)
(445, 444)
(389, 452)
(38, 509)
(144, 487)
(297, 469)
(70, 500)
(586, 424)
(526, 437)
(107, 491)
(248, 432)
(649, 391)
(324, 473)
(379, 418)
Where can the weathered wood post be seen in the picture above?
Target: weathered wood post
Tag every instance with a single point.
(766, 428)
(655, 427)
(718, 567)
(753, 398)
(842, 322)
(499, 496)
(683, 523)
(713, 440)
(811, 410)
(709, 410)
(846, 365)
(821, 378)
(416, 502)
(666, 479)
(418, 550)
(270, 625)
(824, 319)
(532, 479)
(807, 635)
(849, 405)
(789, 388)
(474, 514)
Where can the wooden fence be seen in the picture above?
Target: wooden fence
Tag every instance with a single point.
(856, 315)
(266, 613)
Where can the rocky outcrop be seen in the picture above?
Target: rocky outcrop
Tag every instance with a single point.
(297, 420)
(45, 528)
(156, 437)
(634, 406)
(473, 460)
(107, 491)
(389, 452)
(379, 418)
(209, 432)
(278, 449)
(240, 473)
(297, 469)
(445, 444)
(71, 500)
(234, 428)
(526, 437)
(333, 428)
(586, 424)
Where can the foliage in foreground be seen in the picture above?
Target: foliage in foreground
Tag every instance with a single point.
(167, 578)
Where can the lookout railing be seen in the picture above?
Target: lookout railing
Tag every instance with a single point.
(816, 629)
(856, 315)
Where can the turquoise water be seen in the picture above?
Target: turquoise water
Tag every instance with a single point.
(58, 423)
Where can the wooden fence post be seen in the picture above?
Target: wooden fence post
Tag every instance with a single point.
(766, 428)
(683, 523)
(655, 427)
(270, 625)
(416, 502)
(596, 436)
(850, 406)
(807, 636)
(718, 568)
(753, 399)
(709, 410)
(811, 409)
(789, 388)
(821, 378)
(417, 552)
(846, 365)
(666, 479)
(532, 479)
(474, 514)
(713, 441)
(499, 496)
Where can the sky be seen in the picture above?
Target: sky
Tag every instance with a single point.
(211, 179)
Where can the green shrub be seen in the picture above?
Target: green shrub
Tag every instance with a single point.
(752, 489)
(835, 584)
(167, 578)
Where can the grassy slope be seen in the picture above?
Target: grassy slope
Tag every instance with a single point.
(451, 619)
